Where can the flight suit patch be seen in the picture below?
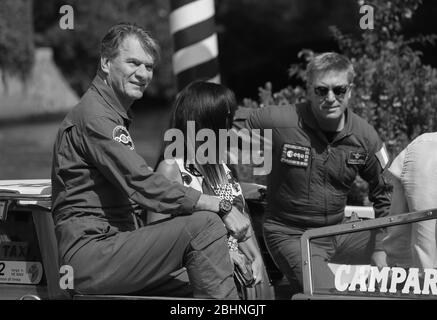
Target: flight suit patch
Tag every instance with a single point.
(295, 155)
(120, 134)
(356, 157)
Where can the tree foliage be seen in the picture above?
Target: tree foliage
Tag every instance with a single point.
(394, 91)
(259, 39)
(16, 39)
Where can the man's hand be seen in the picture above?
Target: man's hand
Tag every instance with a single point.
(257, 269)
(238, 259)
(379, 259)
(237, 224)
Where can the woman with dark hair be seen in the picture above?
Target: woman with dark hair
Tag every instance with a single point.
(210, 106)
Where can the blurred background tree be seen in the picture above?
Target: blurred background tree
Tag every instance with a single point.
(259, 39)
(394, 90)
(16, 39)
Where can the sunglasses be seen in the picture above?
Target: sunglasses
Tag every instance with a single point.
(339, 91)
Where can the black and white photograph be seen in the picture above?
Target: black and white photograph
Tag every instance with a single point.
(218, 158)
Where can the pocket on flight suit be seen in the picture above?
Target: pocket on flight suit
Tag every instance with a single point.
(75, 232)
(352, 159)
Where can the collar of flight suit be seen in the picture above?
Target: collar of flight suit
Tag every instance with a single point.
(108, 94)
(309, 120)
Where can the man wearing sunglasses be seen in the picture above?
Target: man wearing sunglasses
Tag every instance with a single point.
(319, 147)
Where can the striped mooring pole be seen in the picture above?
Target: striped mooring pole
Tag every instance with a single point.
(195, 41)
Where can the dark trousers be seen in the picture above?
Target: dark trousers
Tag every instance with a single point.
(284, 245)
(150, 260)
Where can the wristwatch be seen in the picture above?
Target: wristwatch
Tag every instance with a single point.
(225, 206)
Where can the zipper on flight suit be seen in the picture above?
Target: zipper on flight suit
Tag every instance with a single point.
(325, 178)
(329, 151)
(312, 160)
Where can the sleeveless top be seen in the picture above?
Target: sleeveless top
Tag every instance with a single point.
(231, 190)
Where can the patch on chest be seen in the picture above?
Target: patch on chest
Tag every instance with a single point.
(120, 134)
(295, 155)
(356, 157)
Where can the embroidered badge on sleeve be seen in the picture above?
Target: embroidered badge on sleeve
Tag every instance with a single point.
(120, 134)
(382, 156)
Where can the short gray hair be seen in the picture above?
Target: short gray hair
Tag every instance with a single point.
(330, 61)
(110, 44)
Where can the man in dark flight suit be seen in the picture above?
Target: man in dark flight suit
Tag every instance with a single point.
(318, 148)
(98, 179)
